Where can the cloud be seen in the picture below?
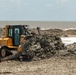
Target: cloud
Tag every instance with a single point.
(17, 2)
(48, 5)
(6, 5)
(52, 3)
(62, 1)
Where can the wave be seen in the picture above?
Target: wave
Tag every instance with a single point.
(57, 28)
(69, 29)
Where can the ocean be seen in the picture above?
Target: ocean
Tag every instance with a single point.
(42, 24)
(68, 40)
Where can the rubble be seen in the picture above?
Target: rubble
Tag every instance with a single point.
(72, 49)
(69, 51)
(44, 46)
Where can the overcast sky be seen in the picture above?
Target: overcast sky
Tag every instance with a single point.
(38, 10)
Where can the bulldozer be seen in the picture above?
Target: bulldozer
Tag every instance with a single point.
(26, 44)
(13, 38)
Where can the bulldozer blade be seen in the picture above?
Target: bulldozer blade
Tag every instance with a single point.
(11, 57)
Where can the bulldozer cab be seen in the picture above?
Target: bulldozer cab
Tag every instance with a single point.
(15, 31)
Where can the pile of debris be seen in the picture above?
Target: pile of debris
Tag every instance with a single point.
(71, 49)
(44, 46)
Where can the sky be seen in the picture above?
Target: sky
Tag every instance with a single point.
(37, 10)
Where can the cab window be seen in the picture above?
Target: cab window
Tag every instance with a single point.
(10, 32)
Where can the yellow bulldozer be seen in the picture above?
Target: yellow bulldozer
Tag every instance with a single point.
(27, 45)
(13, 38)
